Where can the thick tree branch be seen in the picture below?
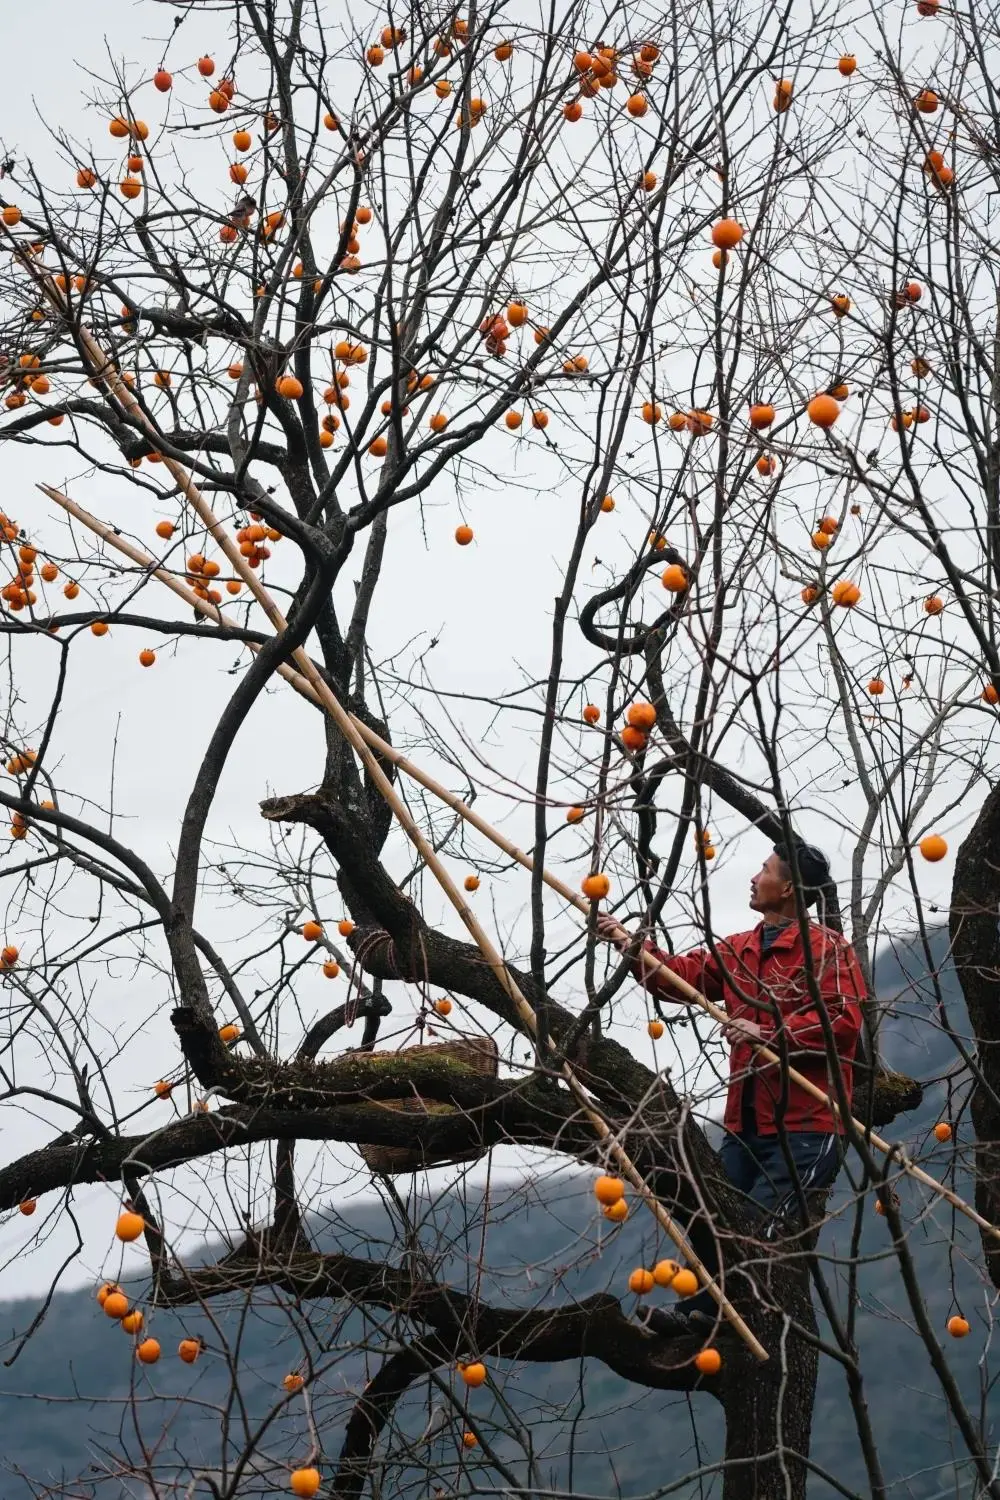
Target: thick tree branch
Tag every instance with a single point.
(595, 1328)
(373, 1410)
(490, 1111)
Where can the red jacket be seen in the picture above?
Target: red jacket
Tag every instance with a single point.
(741, 974)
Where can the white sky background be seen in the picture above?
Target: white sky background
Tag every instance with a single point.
(489, 605)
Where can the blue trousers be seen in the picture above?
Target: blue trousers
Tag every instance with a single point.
(756, 1165)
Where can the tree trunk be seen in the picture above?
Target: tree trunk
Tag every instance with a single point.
(975, 951)
(769, 1407)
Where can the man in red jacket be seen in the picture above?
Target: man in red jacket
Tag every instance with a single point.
(762, 978)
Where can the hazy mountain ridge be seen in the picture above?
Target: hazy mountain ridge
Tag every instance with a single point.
(544, 1250)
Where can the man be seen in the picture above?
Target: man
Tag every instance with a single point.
(761, 979)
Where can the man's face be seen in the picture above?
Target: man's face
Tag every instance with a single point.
(770, 887)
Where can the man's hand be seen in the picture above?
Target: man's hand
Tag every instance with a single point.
(610, 929)
(741, 1031)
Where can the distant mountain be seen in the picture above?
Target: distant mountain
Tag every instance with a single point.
(64, 1401)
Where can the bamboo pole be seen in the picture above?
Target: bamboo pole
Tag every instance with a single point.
(654, 968)
(346, 725)
(651, 966)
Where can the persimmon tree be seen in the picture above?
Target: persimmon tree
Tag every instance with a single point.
(684, 319)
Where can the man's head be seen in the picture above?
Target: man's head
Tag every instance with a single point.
(772, 889)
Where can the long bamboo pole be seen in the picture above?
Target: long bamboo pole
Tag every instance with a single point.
(626, 1166)
(652, 967)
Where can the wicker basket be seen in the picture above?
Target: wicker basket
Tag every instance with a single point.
(477, 1053)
